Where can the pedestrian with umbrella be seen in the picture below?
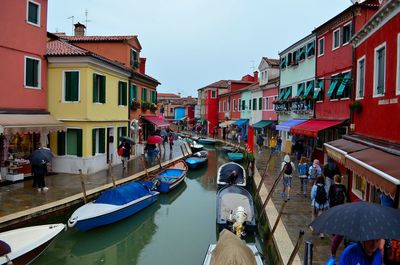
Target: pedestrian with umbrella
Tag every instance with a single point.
(39, 159)
(125, 150)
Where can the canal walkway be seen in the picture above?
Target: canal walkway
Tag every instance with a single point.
(20, 202)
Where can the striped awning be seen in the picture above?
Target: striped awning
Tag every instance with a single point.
(29, 123)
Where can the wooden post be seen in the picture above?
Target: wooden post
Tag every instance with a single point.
(183, 152)
(263, 176)
(83, 186)
(145, 166)
(270, 193)
(271, 233)
(296, 248)
(110, 171)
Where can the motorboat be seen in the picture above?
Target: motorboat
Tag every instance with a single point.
(231, 173)
(208, 141)
(197, 160)
(171, 176)
(235, 156)
(196, 147)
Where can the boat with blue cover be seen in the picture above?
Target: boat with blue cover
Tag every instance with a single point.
(208, 141)
(235, 156)
(197, 159)
(113, 205)
(228, 149)
(231, 173)
(170, 177)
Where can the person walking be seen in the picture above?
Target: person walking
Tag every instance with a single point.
(126, 152)
(171, 140)
(279, 144)
(319, 198)
(337, 192)
(39, 172)
(288, 168)
(314, 171)
(260, 142)
(303, 172)
(272, 144)
(362, 253)
(330, 170)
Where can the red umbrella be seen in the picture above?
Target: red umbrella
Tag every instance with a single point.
(154, 139)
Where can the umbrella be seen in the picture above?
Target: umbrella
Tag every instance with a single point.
(126, 138)
(155, 139)
(359, 221)
(41, 156)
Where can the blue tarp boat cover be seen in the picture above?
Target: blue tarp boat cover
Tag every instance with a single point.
(124, 193)
(226, 171)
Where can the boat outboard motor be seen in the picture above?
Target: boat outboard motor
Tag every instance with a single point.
(240, 217)
(4, 250)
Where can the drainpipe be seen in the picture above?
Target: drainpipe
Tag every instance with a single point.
(353, 71)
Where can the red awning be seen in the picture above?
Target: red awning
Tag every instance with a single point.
(156, 121)
(338, 149)
(381, 169)
(312, 127)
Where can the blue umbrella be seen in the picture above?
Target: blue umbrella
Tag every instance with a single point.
(41, 156)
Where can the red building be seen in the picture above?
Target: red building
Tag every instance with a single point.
(334, 75)
(24, 119)
(371, 153)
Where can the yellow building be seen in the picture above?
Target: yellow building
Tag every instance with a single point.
(89, 93)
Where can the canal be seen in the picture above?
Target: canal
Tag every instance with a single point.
(175, 230)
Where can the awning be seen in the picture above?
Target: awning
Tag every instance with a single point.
(281, 94)
(241, 122)
(288, 93)
(379, 168)
(225, 123)
(344, 83)
(300, 89)
(309, 88)
(312, 127)
(157, 121)
(285, 126)
(29, 123)
(262, 124)
(338, 149)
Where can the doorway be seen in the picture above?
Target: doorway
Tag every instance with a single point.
(110, 144)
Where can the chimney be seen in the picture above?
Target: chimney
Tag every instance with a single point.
(79, 29)
(255, 76)
(142, 66)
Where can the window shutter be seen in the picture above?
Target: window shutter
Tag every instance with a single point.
(119, 93)
(68, 88)
(29, 72)
(33, 13)
(94, 141)
(75, 86)
(95, 90)
(61, 143)
(123, 132)
(35, 73)
(103, 90)
(124, 93)
(102, 135)
(79, 142)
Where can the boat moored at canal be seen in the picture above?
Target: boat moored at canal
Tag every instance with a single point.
(197, 160)
(231, 173)
(113, 205)
(170, 177)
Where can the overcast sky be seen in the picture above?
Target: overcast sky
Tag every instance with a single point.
(192, 43)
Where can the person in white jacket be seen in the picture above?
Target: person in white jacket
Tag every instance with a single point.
(288, 169)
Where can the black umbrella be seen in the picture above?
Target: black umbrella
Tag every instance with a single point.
(126, 138)
(360, 221)
(41, 156)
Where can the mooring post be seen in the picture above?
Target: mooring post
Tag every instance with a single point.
(271, 233)
(296, 248)
(263, 176)
(270, 193)
(145, 166)
(110, 170)
(83, 186)
(308, 252)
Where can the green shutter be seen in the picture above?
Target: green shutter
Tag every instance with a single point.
(68, 86)
(259, 103)
(332, 87)
(95, 90)
(119, 93)
(33, 13)
(61, 143)
(300, 89)
(94, 141)
(103, 89)
(309, 88)
(102, 144)
(29, 72)
(288, 93)
(75, 86)
(35, 73)
(79, 142)
(123, 132)
(281, 94)
(124, 93)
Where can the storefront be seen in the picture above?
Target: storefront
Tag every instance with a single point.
(150, 124)
(20, 135)
(284, 129)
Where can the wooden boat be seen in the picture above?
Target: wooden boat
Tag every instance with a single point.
(171, 176)
(208, 141)
(235, 156)
(197, 159)
(196, 147)
(113, 205)
(228, 149)
(230, 249)
(226, 174)
(23, 245)
(235, 209)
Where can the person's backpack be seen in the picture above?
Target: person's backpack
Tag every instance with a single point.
(339, 195)
(321, 197)
(288, 168)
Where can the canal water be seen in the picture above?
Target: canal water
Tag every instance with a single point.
(176, 230)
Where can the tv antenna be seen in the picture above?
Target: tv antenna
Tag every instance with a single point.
(86, 20)
(72, 20)
(252, 65)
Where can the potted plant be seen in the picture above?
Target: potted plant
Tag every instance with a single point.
(153, 107)
(356, 106)
(135, 105)
(145, 106)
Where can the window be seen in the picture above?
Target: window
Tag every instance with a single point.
(249, 104)
(153, 96)
(340, 86)
(243, 104)
(310, 50)
(234, 104)
(283, 63)
(99, 88)
(321, 46)
(71, 86)
(319, 94)
(360, 77)
(98, 141)
(33, 13)
(379, 70)
(300, 89)
(134, 92)
(289, 59)
(336, 39)
(70, 142)
(213, 94)
(144, 94)
(121, 131)
(266, 103)
(134, 58)
(359, 186)
(260, 101)
(301, 53)
(122, 93)
(32, 72)
(224, 105)
(240, 104)
(265, 75)
(295, 58)
(335, 79)
(254, 104)
(346, 33)
(220, 106)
